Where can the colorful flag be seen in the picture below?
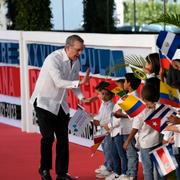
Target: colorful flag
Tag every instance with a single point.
(158, 118)
(99, 138)
(164, 159)
(97, 142)
(168, 43)
(114, 88)
(138, 72)
(165, 62)
(132, 105)
(169, 95)
(79, 121)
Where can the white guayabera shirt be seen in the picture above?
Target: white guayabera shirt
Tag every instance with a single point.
(56, 76)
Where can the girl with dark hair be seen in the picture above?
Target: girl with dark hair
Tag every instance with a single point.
(152, 66)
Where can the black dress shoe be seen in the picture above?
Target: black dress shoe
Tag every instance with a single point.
(45, 175)
(66, 177)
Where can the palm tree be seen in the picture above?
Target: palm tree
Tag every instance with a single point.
(168, 18)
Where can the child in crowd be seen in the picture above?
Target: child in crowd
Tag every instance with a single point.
(119, 127)
(176, 64)
(173, 75)
(98, 88)
(103, 117)
(148, 138)
(172, 133)
(131, 83)
(172, 136)
(152, 66)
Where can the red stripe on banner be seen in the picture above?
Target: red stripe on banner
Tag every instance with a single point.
(164, 159)
(10, 81)
(33, 75)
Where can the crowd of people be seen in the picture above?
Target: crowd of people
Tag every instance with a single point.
(133, 135)
(125, 136)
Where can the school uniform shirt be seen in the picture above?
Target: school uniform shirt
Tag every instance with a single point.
(147, 136)
(56, 76)
(121, 126)
(104, 115)
(177, 137)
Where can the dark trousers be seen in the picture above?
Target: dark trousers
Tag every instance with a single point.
(51, 125)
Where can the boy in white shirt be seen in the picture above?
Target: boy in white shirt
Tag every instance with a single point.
(120, 128)
(148, 138)
(175, 130)
(117, 129)
(104, 117)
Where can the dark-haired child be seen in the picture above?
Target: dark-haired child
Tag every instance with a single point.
(104, 117)
(148, 138)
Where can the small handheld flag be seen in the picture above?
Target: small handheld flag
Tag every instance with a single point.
(164, 159)
(158, 118)
(138, 72)
(169, 95)
(132, 105)
(168, 43)
(97, 142)
(114, 88)
(165, 62)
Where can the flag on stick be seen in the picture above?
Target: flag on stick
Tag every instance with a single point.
(158, 118)
(114, 88)
(164, 159)
(132, 105)
(168, 43)
(165, 62)
(138, 72)
(97, 142)
(169, 95)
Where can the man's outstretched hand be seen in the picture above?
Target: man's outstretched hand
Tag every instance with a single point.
(86, 77)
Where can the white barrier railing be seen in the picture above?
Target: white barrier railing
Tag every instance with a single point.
(130, 45)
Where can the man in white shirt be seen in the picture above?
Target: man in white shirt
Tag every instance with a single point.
(59, 72)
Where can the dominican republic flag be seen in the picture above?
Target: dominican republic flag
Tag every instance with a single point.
(164, 159)
(165, 61)
(114, 88)
(168, 43)
(158, 118)
(132, 105)
(169, 95)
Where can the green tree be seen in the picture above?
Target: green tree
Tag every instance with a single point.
(147, 10)
(32, 15)
(11, 13)
(98, 16)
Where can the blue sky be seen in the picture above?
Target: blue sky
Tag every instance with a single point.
(73, 12)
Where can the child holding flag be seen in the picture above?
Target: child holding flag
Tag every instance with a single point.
(119, 127)
(148, 137)
(175, 128)
(152, 66)
(103, 117)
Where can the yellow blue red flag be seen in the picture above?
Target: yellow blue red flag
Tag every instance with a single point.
(132, 105)
(169, 95)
